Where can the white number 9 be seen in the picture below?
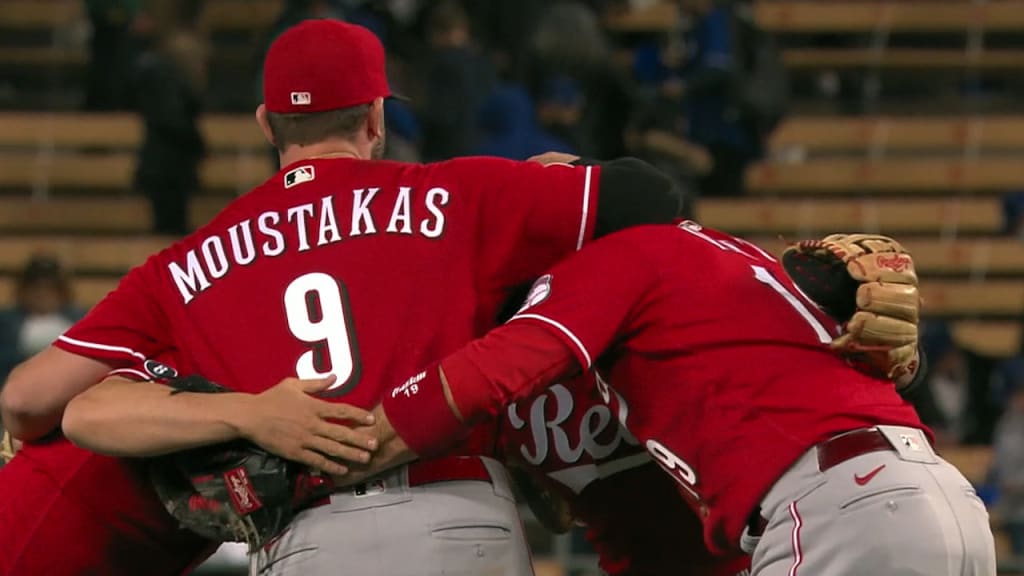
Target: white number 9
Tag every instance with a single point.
(317, 315)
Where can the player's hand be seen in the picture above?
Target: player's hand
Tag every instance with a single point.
(392, 452)
(286, 420)
(553, 158)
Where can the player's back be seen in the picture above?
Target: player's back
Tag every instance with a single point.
(364, 270)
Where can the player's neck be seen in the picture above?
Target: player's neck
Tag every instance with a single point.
(332, 149)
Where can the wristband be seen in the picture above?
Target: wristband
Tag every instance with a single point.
(419, 413)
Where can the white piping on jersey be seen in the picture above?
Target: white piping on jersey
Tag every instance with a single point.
(586, 208)
(105, 347)
(563, 330)
(131, 371)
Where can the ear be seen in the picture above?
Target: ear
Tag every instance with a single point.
(375, 120)
(261, 119)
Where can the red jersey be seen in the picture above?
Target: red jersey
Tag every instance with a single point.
(317, 271)
(634, 516)
(101, 510)
(366, 270)
(66, 512)
(717, 364)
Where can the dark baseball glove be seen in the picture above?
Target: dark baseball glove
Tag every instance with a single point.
(868, 283)
(232, 492)
(551, 510)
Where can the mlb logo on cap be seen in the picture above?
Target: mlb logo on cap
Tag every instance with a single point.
(298, 176)
(301, 99)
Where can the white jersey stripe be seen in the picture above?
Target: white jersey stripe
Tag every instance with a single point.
(561, 328)
(131, 371)
(105, 347)
(586, 208)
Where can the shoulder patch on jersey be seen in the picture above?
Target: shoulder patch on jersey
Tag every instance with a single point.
(538, 293)
(297, 176)
(159, 369)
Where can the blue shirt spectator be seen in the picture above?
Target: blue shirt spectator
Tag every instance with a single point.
(510, 127)
(43, 311)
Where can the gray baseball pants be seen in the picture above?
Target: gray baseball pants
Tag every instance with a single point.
(388, 528)
(900, 512)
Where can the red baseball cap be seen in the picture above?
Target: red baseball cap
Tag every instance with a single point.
(321, 65)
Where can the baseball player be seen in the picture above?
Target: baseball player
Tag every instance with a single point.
(313, 273)
(588, 460)
(782, 449)
(574, 462)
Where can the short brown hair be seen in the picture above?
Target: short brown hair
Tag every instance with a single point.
(306, 129)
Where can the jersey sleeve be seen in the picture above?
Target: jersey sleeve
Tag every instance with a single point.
(590, 300)
(126, 327)
(530, 215)
(570, 317)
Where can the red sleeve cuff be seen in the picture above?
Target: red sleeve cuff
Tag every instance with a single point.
(513, 361)
(419, 413)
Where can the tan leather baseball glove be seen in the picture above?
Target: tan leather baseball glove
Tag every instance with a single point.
(868, 283)
(7, 447)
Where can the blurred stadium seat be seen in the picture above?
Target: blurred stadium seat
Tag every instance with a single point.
(933, 178)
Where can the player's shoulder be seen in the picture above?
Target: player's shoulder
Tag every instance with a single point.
(645, 238)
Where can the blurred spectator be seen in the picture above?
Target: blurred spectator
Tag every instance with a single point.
(510, 128)
(560, 107)
(943, 402)
(43, 310)
(504, 28)
(111, 52)
(404, 132)
(295, 11)
(1013, 214)
(457, 80)
(170, 82)
(734, 89)
(569, 55)
(1009, 464)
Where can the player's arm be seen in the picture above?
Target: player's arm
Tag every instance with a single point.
(123, 416)
(532, 215)
(33, 399)
(556, 337)
(127, 326)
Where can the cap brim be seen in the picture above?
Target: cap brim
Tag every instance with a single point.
(399, 97)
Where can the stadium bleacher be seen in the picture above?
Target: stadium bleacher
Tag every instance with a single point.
(935, 180)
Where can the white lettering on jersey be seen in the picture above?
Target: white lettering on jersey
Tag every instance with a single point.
(264, 222)
(328, 224)
(544, 432)
(362, 220)
(192, 281)
(436, 197)
(214, 256)
(401, 212)
(212, 261)
(242, 259)
(298, 214)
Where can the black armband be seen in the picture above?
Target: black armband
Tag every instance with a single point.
(632, 193)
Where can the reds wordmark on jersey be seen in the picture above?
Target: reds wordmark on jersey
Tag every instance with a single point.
(573, 444)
